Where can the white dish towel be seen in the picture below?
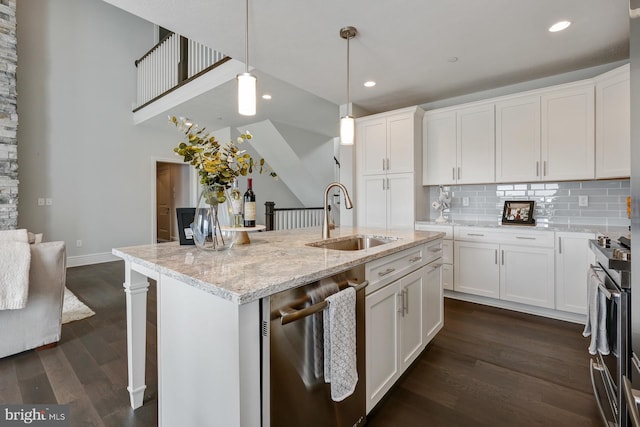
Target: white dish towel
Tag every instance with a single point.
(596, 325)
(340, 363)
(15, 260)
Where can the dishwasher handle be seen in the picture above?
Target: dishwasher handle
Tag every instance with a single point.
(288, 315)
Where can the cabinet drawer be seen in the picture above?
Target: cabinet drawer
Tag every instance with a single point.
(532, 238)
(472, 234)
(385, 270)
(513, 236)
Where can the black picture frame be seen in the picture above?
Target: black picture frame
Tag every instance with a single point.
(518, 212)
(185, 218)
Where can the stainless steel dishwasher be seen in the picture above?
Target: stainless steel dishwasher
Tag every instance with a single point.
(294, 392)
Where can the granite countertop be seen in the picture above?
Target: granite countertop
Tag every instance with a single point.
(273, 262)
(611, 231)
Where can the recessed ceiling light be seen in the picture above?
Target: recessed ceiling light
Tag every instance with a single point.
(266, 96)
(369, 83)
(559, 26)
(452, 59)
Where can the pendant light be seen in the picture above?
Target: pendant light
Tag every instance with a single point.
(347, 122)
(246, 80)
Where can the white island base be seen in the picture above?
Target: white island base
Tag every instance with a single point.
(208, 353)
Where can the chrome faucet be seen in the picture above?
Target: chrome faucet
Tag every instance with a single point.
(348, 205)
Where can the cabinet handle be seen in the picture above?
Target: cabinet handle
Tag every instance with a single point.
(537, 168)
(525, 238)
(502, 256)
(401, 304)
(405, 303)
(458, 173)
(387, 271)
(435, 249)
(496, 257)
(559, 245)
(475, 234)
(435, 267)
(416, 259)
(453, 173)
(544, 168)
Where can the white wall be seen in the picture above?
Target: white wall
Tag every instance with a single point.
(76, 141)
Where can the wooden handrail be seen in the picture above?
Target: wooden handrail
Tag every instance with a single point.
(162, 40)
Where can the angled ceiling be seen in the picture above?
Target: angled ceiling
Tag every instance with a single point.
(404, 45)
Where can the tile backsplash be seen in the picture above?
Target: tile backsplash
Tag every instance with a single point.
(555, 202)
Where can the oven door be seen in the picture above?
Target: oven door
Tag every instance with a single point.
(607, 368)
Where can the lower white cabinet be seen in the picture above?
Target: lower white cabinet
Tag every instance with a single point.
(573, 257)
(401, 318)
(526, 275)
(476, 268)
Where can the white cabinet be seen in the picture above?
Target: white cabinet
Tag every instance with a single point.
(567, 136)
(573, 258)
(403, 312)
(613, 124)
(547, 135)
(459, 146)
(512, 266)
(527, 275)
(518, 139)
(476, 268)
(385, 195)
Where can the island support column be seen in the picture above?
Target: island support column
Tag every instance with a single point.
(136, 286)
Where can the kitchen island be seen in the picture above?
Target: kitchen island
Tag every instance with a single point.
(209, 356)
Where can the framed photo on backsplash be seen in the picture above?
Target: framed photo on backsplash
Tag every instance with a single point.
(518, 212)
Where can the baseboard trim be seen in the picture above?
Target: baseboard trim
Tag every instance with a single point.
(523, 308)
(99, 258)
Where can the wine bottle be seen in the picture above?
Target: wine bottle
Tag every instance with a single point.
(249, 205)
(236, 205)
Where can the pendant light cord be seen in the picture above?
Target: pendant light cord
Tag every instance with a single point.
(246, 37)
(348, 79)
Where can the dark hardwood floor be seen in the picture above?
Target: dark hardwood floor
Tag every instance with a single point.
(487, 367)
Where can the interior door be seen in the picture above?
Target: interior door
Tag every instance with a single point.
(163, 202)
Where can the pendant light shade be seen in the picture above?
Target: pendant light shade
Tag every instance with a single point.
(347, 130)
(347, 122)
(246, 94)
(246, 81)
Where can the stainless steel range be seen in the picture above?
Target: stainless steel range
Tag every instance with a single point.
(610, 324)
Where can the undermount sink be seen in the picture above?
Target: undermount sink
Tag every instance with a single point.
(353, 243)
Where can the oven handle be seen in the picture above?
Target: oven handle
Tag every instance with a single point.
(603, 288)
(633, 398)
(595, 390)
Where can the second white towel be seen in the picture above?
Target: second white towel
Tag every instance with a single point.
(340, 362)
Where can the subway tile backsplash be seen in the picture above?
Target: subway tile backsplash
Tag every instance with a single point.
(556, 202)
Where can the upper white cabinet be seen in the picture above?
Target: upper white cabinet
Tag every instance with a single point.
(459, 146)
(518, 139)
(613, 124)
(567, 136)
(546, 135)
(388, 145)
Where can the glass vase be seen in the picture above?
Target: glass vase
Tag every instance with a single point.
(212, 216)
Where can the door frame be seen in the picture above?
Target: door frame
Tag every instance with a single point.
(193, 190)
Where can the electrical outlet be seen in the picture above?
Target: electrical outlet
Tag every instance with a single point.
(48, 201)
(78, 243)
(583, 201)
(465, 201)
(40, 201)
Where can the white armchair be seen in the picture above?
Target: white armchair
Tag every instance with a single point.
(40, 322)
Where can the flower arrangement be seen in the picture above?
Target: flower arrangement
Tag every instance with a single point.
(217, 165)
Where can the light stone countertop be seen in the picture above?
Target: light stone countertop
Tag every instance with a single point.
(612, 231)
(273, 262)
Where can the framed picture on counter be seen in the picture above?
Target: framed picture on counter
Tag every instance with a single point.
(185, 218)
(518, 212)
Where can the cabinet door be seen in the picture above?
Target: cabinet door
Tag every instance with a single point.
(476, 145)
(372, 211)
(573, 257)
(476, 269)
(400, 199)
(518, 139)
(527, 275)
(568, 141)
(433, 302)
(411, 336)
(372, 140)
(439, 148)
(447, 277)
(613, 118)
(401, 138)
(382, 329)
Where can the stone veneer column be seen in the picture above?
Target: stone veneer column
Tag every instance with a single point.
(8, 117)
